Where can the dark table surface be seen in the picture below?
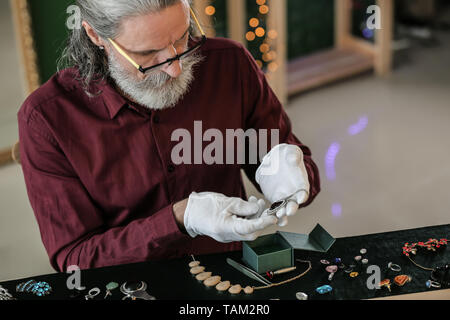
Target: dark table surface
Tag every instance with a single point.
(171, 280)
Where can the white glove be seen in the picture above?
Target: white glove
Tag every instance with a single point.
(282, 176)
(223, 218)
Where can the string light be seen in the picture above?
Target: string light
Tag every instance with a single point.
(210, 10)
(250, 36)
(254, 22)
(268, 53)
(264, 9)
(258, 30)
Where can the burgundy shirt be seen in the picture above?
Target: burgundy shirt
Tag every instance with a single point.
(99, 174)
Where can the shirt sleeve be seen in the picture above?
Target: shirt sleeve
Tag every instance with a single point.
(263, 110)
(72, 227)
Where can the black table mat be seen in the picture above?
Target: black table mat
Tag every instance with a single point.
(171, 280)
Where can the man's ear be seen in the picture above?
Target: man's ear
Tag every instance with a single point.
(93, 35)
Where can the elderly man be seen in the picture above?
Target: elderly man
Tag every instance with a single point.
(97, 141)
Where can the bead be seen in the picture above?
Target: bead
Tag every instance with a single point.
(194, 264)
(358, 258)
(337, 260)
(364, 261)
(223, 286)
(236, 289)
(248, 290)
(326, 262)
(197, 270)
(354, 274)
(363, 251)
(203, 276)
(212, 281)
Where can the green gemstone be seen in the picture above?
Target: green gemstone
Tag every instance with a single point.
(112, 285)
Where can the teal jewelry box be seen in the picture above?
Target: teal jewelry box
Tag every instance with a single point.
(276, 251)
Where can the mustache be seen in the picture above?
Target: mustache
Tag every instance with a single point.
(156, 80)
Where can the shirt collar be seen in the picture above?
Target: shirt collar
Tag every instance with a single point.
(114, 101)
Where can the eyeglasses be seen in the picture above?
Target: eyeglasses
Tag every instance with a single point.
(189, 51)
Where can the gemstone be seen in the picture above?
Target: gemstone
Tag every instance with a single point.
(363, 251)
(428, 284)
(331, 269)
(324, 289)
(358, 258)
(354, 274)
(301, 296)
(324, 262)
(402, 280)
(112, 285)
(337, 260)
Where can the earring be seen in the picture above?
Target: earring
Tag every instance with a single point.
(102, 48)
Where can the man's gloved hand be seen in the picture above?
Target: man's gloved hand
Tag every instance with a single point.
(223, 218)
(282, 176)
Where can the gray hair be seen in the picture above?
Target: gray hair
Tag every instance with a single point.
(105, 17)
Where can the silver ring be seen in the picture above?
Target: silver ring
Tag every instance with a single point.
(433, 284)
(276, 206)
(94, 292)
(125, 291)
(394, 267)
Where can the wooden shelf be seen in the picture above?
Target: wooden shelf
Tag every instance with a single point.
(5, 156)
(325, 67)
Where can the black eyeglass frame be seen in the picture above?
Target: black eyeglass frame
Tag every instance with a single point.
(170, 60)
(176, 58)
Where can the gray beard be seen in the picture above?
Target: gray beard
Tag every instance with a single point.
(158, 90)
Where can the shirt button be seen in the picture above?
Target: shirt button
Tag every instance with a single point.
(171, 168)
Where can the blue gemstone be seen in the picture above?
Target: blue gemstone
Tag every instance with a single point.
(337, 260)
(324, 289)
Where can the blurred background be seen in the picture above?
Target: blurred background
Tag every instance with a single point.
(372, 105)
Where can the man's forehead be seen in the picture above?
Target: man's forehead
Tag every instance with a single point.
(155, 30)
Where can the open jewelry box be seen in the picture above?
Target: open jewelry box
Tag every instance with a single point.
(276, 251)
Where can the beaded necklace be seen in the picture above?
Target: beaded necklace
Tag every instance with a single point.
(198, 270)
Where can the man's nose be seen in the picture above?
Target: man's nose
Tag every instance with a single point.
(173, 68)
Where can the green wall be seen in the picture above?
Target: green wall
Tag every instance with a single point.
(50, 32)
(310, 27)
